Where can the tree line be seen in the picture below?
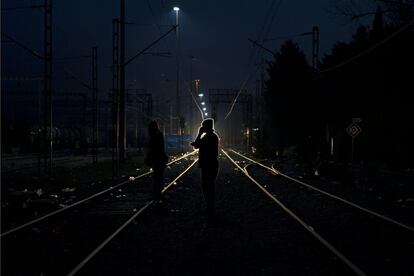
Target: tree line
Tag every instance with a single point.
(369, 77)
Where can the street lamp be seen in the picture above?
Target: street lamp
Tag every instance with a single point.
(203, 103)
(200, 95)
(205, 114)
(204, 109)
(177, 9)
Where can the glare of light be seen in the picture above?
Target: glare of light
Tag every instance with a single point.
(204, 109)
(206, 114)
(176, 9)
(203, 103)
(200, 95)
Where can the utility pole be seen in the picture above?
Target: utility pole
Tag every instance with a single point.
(181, 121)
(177, 95)
(197, 92)
(122, 113)
(262, 89)
(191, 91)
(95, 103)
(171, 119)
(47, 91)
(115, 96)
(315, 48)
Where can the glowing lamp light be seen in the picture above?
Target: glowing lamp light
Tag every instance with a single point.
(206, 114)
(204, 108)
(203, 103)
(200, 95)
(176, 9)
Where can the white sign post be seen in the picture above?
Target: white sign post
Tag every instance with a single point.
(354, 130)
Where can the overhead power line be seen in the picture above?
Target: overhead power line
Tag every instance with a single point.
(21, 45)
(261, 46)
(153, 15)
(73, 76)
(246, 81)
(23, 8)
(274, 14)
(286, 36)
(193, 98)
(363, 53)
(149, 46)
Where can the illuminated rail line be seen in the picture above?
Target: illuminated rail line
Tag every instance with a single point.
(312, 231)
(131, 179)
(349, 203)
(126, 223)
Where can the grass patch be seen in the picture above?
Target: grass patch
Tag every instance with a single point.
(64, 177)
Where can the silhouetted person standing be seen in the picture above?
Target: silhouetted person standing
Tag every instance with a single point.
(207, 143)
(156, 157)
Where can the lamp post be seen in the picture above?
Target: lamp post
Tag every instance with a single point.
(177, 95)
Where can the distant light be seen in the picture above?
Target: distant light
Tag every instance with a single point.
(204, 108)
(205, 114)
(201, 95)
(176, 9)
(203, 103)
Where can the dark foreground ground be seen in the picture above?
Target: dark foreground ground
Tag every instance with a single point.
(251, 234)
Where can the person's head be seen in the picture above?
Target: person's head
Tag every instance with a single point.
(208, 124)
(152, 127)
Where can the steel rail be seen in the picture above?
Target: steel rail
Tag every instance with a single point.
(373, 213)
(309, 228)
(131, 179)
(114, 234)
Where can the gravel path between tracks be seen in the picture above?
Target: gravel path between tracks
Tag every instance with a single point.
(251, 236)
(389, 194)
(376, 246)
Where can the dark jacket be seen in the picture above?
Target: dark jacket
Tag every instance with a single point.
(156, 155)
(208, 150)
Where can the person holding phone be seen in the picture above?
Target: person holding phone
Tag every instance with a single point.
(207, 143)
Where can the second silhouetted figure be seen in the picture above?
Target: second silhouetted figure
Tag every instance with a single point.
(156, 158)
(207, 143)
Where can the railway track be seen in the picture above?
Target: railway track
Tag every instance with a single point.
(53, 244)
(87, 199)
(366, 241)
(274, 171)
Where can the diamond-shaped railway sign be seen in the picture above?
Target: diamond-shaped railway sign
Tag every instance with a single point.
(353, 130)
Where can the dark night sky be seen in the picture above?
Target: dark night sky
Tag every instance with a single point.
(215, 32)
